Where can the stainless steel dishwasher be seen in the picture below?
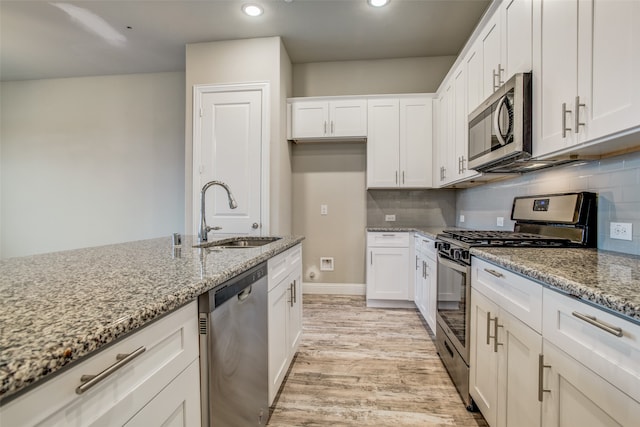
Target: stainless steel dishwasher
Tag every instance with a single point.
(233, 351)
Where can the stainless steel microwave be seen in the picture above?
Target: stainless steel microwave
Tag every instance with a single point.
(500, 128)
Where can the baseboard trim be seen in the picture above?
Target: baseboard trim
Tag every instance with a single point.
(380, 303)
(334, 288)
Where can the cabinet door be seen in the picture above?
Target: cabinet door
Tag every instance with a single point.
(609, 66)
(431, 292)
(579, 397)
(483, 363)
(517, 29)
(348, 118)
(555, 74)
(383, 153)
(310, 119)
(279, 305)
(475, 89)
(442, 142)
(177, 405)
(518, 357)
(493, 69)
(388, 273)
(460, 124)
(295, 312)
(416, 146)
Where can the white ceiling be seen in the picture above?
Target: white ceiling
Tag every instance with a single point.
(40, 39)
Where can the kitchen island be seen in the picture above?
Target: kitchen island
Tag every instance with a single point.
(60, 307)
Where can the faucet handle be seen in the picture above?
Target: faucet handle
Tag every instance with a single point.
(213, 228)
(176, 239)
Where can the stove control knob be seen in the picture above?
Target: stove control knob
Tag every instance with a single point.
(464, 254)
(443, 246)
(456, 253)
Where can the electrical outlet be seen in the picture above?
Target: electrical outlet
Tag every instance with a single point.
(500, 221)
(461, 218)
(620, 230)
(389, 218)
(324, 210)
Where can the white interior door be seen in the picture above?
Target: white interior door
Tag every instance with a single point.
(229, 143)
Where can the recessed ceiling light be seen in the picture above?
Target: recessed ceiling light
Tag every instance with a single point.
(378, 3)
(252, 9)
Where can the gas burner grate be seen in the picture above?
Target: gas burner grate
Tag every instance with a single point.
(505, 238)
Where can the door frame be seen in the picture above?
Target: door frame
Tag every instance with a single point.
(265, 152)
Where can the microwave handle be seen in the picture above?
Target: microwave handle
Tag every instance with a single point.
(496, 121)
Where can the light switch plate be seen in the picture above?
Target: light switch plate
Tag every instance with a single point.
(324, 210)
(500, 221)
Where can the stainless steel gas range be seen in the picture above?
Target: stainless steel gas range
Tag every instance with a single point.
(555, 220)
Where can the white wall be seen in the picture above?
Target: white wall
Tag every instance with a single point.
(238, 61)
(402, 75)
(91, 161)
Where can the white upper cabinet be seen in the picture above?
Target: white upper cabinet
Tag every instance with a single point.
(399, 143)
(517, 22)
(586, 63)
(383, 143)
(492, 68)
(344, 118)
(416, 142)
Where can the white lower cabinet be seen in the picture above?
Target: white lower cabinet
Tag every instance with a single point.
(576, 396)
(161, 384)
(576, 365)
(388, 263)
(425, 279)
(503, 365)
(285, 314)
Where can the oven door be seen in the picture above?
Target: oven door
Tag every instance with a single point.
(454, 292)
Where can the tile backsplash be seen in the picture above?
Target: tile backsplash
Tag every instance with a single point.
(615, 180)
(412, 208)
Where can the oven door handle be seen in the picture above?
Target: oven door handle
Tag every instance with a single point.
(454, 265)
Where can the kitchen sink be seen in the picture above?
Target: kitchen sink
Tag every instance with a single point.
(238, 243)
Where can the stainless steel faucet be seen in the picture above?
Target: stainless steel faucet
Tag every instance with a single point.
(204, 228)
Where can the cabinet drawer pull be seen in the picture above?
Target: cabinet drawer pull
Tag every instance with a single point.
(494, 273)
(325, 127)
(488, 328)
(291, 294)
(541, 366)
(613, 330)
(295, 292)
(89, 381)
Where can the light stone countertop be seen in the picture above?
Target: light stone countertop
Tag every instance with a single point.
(62, 306)
(606, 279)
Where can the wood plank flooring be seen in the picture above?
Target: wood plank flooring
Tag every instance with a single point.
(367, 366)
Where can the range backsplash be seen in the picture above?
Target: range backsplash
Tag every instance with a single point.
(616, 180)
(412, 208)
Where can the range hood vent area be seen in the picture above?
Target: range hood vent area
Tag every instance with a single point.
(523, 164)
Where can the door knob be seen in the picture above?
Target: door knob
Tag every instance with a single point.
(255, 225)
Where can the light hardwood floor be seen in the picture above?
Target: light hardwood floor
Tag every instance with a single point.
(362, 366)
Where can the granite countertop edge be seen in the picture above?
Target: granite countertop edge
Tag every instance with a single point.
(21, 377)
(427, 231)
(617, 304)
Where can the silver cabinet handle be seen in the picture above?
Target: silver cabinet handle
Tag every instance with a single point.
(565, 129)
(371, 258)
(332, 127)
(495, 332)
(613, 330)
(396, 177)
(291, 294)
(403, 177)
(464, 161)
(325, 127)
(496, 325)
(541, 366)
(89, 381)
(495, 85)
(578, 123)
(494, 273)
(416, 262)
(295, 291)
